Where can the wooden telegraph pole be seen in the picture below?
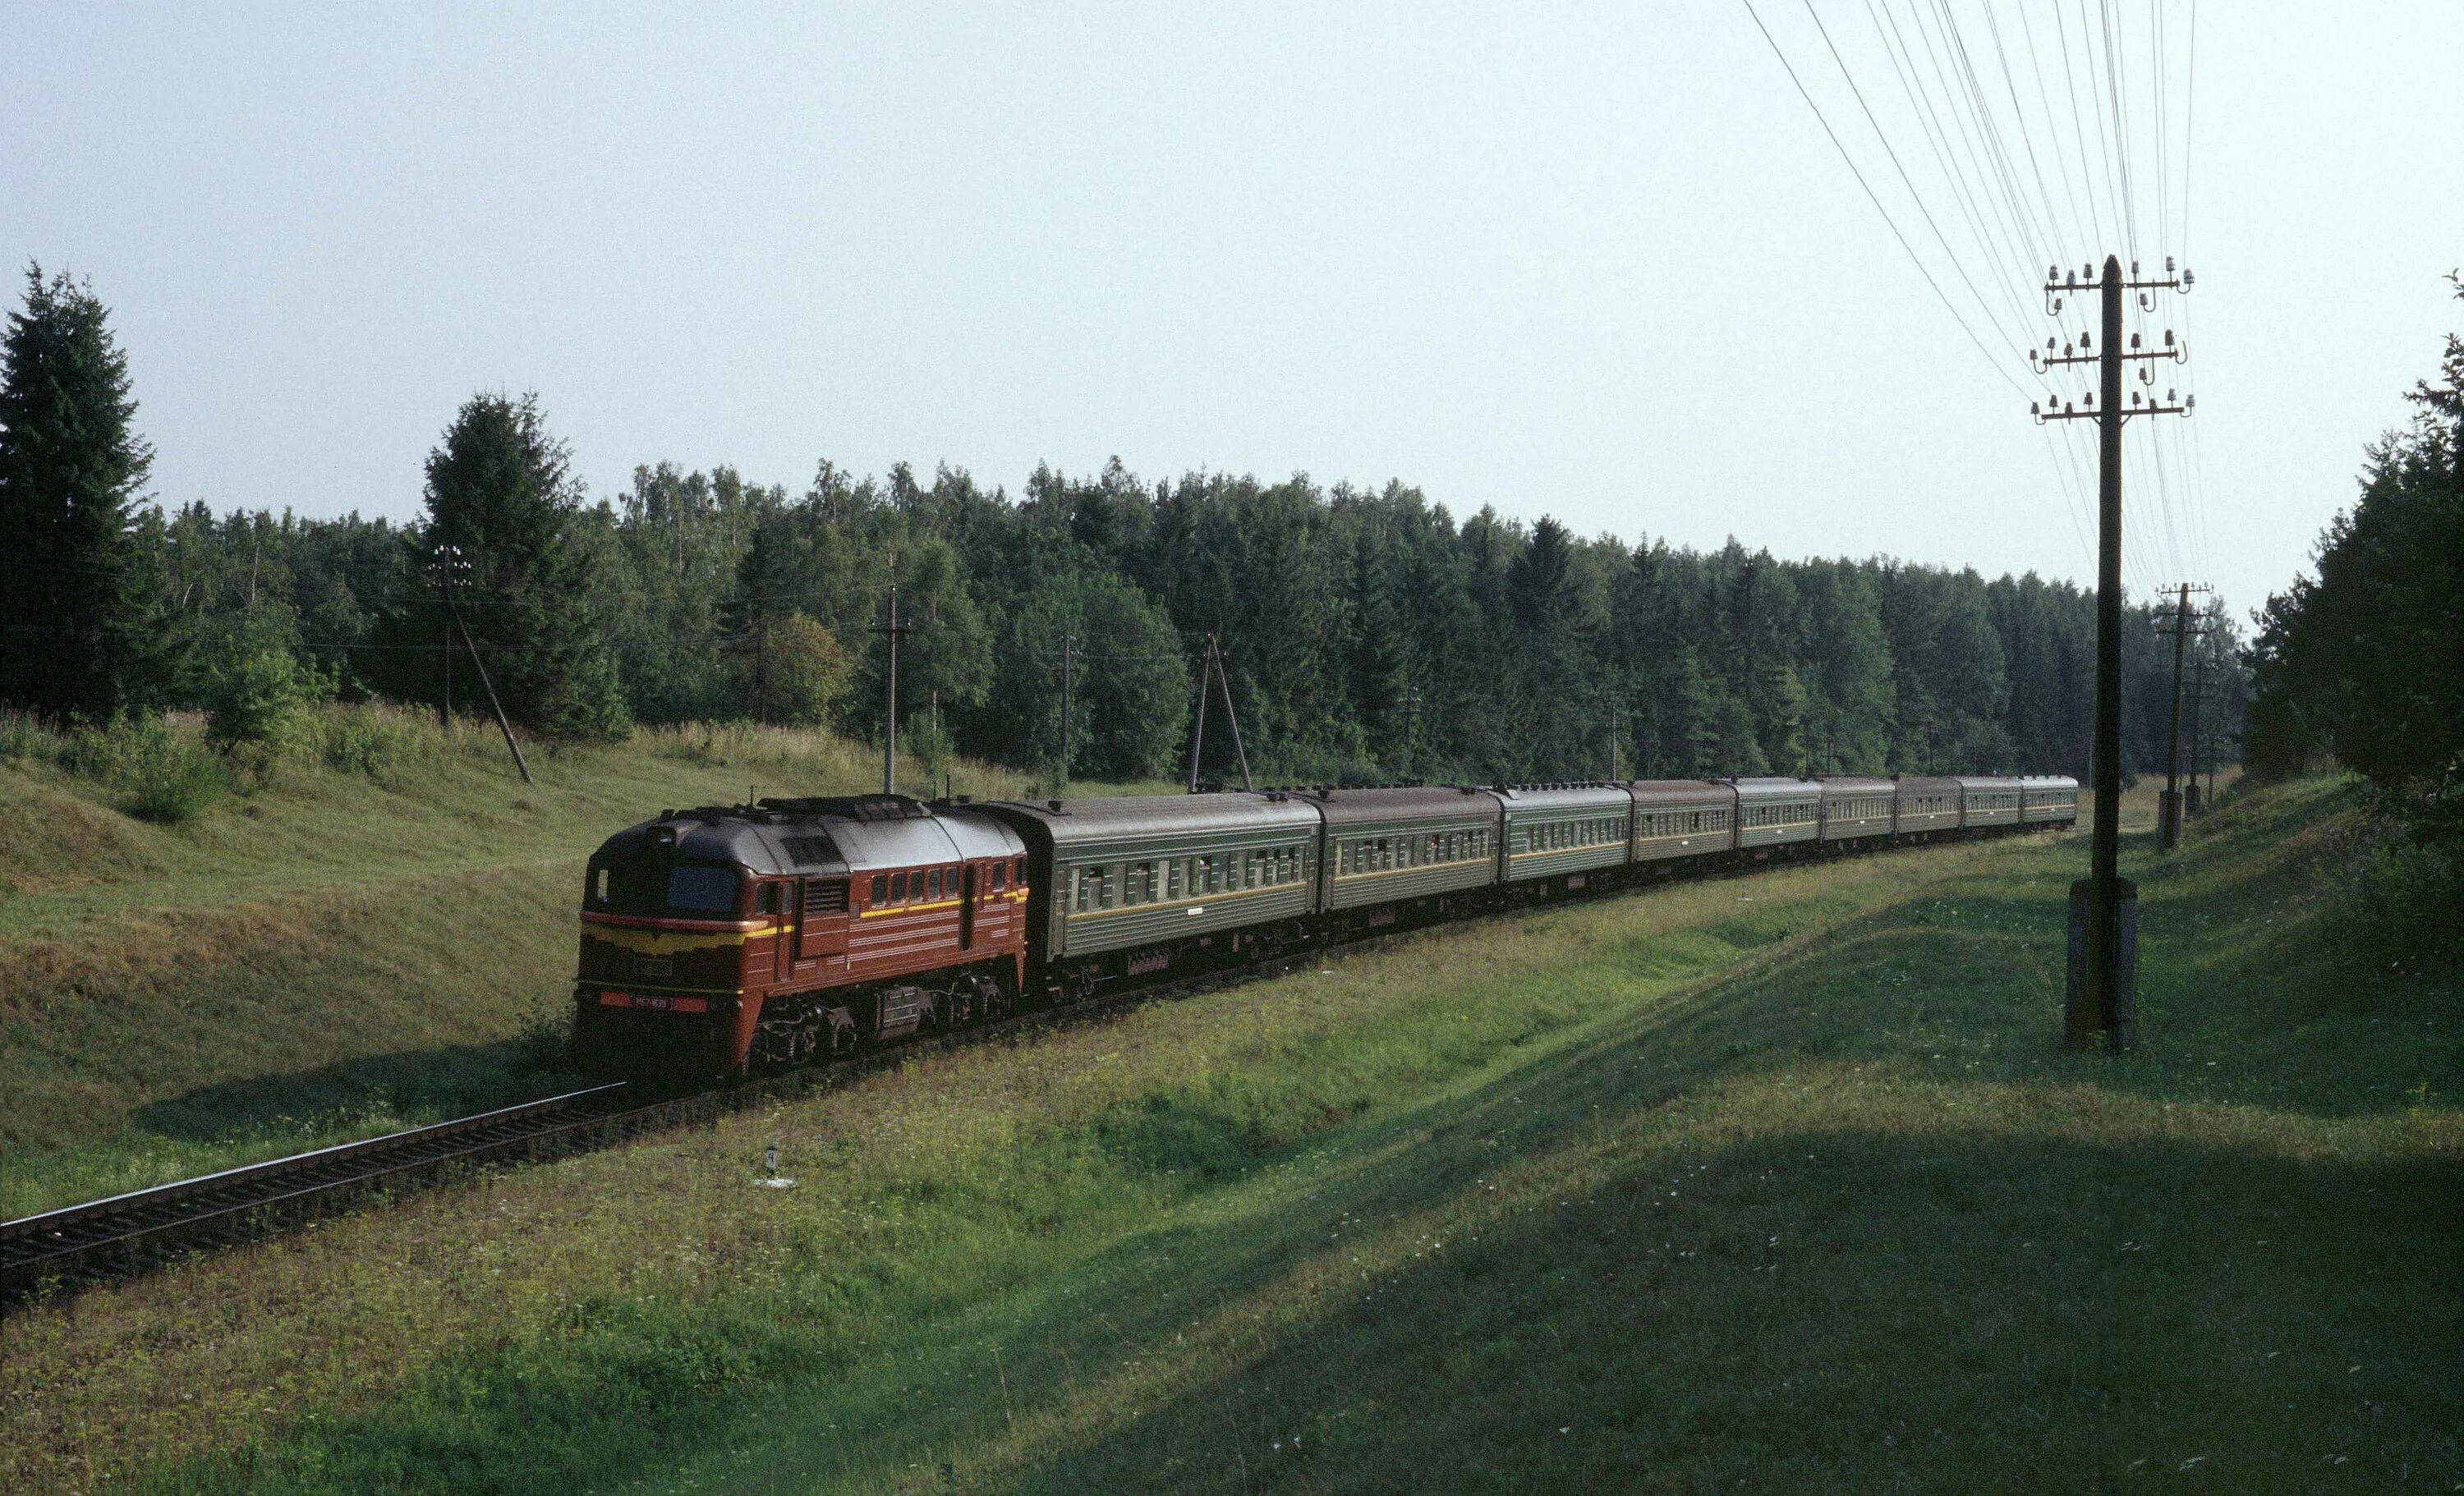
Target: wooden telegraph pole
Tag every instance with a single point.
(453, 566)
(1211, 670)
(2168, 814)
(894, 629)
(2101, 1000)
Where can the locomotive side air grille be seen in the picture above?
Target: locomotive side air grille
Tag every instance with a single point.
(826, 896)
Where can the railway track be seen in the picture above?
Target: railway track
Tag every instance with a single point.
(63, 1252)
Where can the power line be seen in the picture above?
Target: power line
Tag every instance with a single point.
(1877, 201)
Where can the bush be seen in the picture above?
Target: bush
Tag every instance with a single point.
(375, 740)
(25, 738)
(167, 777)
(259, 700)
(2403, 907)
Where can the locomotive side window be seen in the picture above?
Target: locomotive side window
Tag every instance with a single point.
(765, 899)
(1000, 870)
(599, 886)
(932, 884)
(880, 890)
(898, 888)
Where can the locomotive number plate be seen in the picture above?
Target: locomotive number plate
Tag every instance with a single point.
(654, 967)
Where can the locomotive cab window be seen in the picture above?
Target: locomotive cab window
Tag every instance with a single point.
(765, 899)
(701, 890)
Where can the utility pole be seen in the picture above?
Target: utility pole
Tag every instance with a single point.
(453, 566)
(2199, 743)
(2169, 812)
(761, 663)
(893, 631)
(1212, 670)
(1068, 649)
(1411, 708)
(1613, 745)
(439, 570)
(2101, 1000)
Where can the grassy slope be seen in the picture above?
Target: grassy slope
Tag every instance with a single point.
(1779, 1180)
(329, 958)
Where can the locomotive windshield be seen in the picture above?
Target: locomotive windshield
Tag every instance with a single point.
(658, 886)
(702, 890)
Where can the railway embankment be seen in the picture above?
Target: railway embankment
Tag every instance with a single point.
(325, 957)
(1781, 1179)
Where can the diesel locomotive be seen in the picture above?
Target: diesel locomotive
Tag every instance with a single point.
(729, 940)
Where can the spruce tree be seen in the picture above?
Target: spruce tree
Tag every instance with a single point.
(73, 604)
(501, 500)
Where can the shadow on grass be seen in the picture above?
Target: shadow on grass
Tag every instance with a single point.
(449, 1079)
(1875, 1295)
(1811, 1309)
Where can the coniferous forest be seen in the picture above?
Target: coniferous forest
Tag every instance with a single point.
(1370, 633)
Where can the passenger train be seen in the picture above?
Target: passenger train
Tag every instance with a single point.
(731, 940)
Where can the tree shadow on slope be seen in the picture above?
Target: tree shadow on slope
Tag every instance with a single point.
(418, 1085)
(1816, 1309)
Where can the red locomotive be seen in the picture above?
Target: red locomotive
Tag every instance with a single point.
(792, 930)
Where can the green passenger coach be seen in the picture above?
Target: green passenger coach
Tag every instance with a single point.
(1683, 817)
(1133, 879)
(1389, 845)
(1564, 831)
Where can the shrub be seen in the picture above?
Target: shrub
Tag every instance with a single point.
(25, 738)
(167, 777)
(259, 700)
(2403, 907)
(376, 741)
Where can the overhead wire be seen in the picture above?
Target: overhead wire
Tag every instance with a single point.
(1877, 201)
(1859, 94)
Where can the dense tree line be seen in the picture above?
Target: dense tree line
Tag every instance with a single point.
(1371, 634)
(2366, 660)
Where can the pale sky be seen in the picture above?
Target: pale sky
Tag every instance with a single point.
(1598, 261)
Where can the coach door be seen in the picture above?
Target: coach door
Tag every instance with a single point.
(968, 884)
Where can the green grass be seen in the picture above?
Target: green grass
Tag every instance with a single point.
(333, 953)
(1781, 1181)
